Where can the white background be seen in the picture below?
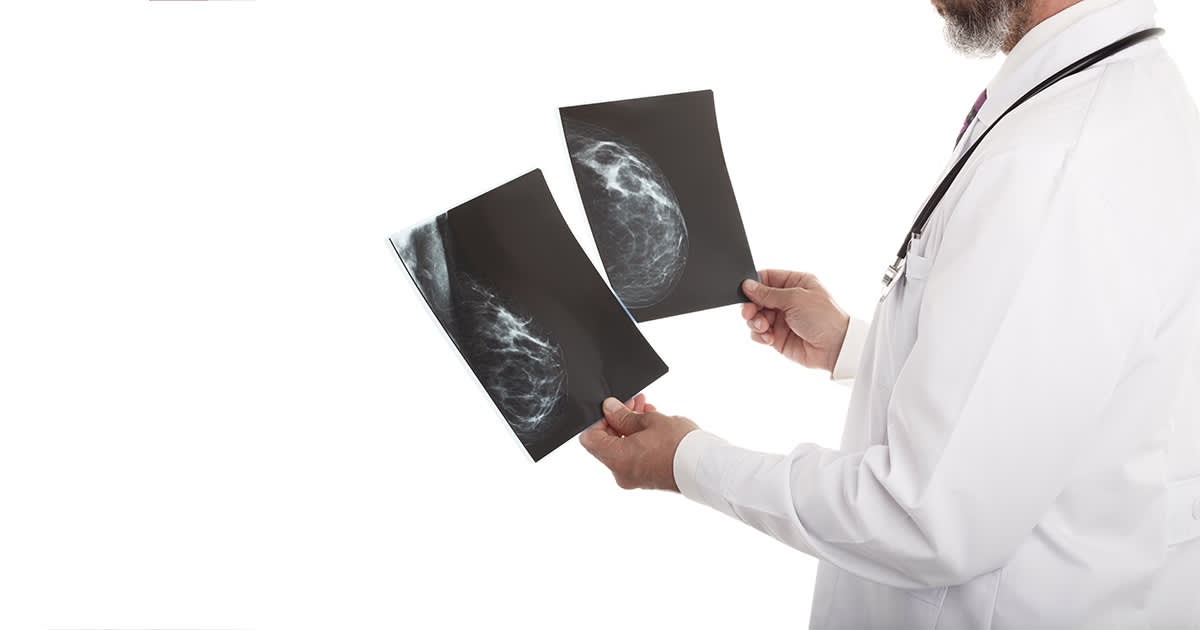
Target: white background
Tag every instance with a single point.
(222, 405)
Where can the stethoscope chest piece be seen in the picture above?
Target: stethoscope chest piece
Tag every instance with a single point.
(891, 277)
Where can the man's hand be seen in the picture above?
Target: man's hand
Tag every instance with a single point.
(637, 446)
(791, 312)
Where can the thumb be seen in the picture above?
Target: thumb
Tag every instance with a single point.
(763, 295)
(622, 418)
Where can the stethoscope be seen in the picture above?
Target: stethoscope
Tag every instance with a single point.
(892, 275)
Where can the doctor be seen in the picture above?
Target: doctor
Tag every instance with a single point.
(1022, 446)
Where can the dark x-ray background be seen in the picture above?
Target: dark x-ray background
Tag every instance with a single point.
(679, 132)
(514, 239)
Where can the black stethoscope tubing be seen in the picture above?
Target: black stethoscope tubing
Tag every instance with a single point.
(1071, 70)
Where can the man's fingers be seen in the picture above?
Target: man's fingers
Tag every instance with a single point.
(778, 334)
(773, 277)
(783, 278)
(767, 338)
(600, 441)
(622, 418)
(763, 295)
(749, 310)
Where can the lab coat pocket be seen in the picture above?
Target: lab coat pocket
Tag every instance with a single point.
(1183, 511)
(931, 596)
(860, 603)
(916, 267)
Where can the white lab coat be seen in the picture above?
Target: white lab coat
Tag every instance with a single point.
(1022, 446)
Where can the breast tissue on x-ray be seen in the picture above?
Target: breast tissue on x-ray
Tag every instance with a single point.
(516, 358)
(635, 216)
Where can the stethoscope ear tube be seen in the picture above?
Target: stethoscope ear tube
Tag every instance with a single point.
(940, 193)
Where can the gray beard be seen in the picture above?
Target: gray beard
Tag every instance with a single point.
(986, 27)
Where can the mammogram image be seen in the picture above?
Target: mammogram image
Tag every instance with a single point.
(634, 214)
(516, 358)
(528, 311)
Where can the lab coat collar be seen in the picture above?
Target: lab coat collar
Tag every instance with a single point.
(1059, 41)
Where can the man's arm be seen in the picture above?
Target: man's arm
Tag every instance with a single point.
(1018, 349)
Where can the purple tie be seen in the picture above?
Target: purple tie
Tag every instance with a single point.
(970, 117)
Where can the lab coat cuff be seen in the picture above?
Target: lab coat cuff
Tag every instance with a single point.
(846, 366)
(687, 460)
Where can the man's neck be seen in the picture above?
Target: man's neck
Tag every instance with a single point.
(1037, 12)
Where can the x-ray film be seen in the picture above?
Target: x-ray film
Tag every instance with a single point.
(654, 184)
(529, 313)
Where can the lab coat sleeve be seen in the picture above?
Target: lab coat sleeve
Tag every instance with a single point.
(852, 347)
(1018, 349)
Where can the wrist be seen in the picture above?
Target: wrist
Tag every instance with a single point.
(839, 337)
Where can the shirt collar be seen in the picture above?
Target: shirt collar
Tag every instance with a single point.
(1060, 40)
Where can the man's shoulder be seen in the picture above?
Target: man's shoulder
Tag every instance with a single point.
(1128, 122)
(1128, 99)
